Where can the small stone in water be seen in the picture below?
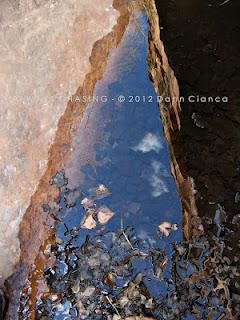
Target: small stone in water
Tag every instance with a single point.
(87, 203)
(174, 227)
(73, 312)
(165, 228)
(59, 179)
(102, 191)
(88, 292)
(72, 197)
(76, 287)
(61, 268)
(104, 215)
(88, 222)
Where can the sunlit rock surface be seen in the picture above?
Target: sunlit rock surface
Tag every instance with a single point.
(44, 56)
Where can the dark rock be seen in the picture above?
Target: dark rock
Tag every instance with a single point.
(2, 304)
(59, 179)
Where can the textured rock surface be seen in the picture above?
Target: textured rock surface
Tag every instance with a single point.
(45, 48)
(204, 147)
(166, 85)
(36, 225)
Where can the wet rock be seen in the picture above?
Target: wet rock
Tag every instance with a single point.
(104, 214)
(87, 203)
(76, 287)
(61, 268)
(88, 221)
(42, 60)
(166, 228)
(89, 291)
(71, 198)
(198, 121)
(59, 179)
(2, 304)
(102, 192)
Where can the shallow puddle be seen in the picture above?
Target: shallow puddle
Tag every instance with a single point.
(121, 145)
(117, 247)
(120, 163)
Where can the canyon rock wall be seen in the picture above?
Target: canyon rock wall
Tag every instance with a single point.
(45, 48)
(201, 42)
(166, 86)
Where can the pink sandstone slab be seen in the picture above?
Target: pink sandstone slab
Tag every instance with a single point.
(44, 57)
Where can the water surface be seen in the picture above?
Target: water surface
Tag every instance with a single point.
(120, 145)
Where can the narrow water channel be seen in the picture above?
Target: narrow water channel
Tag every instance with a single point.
(121, 145)
(119, 212)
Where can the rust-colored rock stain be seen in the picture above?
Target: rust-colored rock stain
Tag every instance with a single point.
(36, 224)
(166, 85)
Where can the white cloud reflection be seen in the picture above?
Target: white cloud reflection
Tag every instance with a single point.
(156, 180)
(150, 142)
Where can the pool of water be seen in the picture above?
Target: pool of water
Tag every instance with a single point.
(120, 146)
(117, 248)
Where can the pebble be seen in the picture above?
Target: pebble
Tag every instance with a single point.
(76, 287)
(88, 221)
(104, 214)
(88, 292)
(59, 179)
(72, 197)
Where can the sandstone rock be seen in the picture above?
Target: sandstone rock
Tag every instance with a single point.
(88, 221)
(104, 215)
(45, 48)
